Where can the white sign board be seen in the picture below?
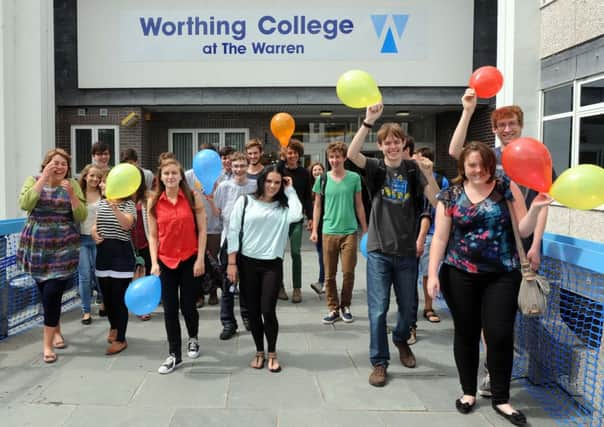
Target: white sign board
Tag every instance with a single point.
(202, 43)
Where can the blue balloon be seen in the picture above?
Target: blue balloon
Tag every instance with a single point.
(207, 167)
(143, 295)
(364, 245)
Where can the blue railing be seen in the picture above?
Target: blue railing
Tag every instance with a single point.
(20, 306)
(561, 354)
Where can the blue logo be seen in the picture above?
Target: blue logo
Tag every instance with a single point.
(393, 32)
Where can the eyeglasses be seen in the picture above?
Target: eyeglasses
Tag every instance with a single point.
(511, 124)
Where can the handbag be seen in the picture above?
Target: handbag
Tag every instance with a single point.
(534, 289)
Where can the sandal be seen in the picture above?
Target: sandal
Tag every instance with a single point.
(431, 316)
(272, 357)
(50, 358)
(258, 361)
(60, 344)
(144, 317)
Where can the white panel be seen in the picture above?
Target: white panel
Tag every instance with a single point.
(197, 43)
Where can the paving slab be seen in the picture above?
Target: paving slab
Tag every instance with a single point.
(26, 414)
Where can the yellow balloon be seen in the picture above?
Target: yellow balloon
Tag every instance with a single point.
(122, 181)
(580, 187)
(357, 89)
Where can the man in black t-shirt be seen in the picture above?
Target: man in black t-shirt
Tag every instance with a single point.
(397, 187)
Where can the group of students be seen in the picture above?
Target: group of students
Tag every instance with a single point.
(252, 211)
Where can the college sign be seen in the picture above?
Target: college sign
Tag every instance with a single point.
(305, 43)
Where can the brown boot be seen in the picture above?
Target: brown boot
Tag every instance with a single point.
(213, 300)
(378, 376)
(297, 296)
(116, 347)
(282, 294)
(112, 335)
(405, 354)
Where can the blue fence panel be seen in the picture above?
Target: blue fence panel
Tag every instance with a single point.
(20, 306)
(562, 353)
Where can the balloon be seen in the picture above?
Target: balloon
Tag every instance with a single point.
(207, 167)
(283, 126)
(486, 81)
(357, 89)
(123, 181)
(143, 295)
(580, 187)
(528, 162)
(364, 245)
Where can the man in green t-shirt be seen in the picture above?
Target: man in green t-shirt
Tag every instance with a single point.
(340, 198)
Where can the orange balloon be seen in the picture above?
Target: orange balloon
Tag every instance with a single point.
(282, 127)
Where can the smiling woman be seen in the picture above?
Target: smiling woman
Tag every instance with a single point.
(50, 241)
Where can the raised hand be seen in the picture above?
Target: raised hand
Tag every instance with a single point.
(468, 100)
(374, 112)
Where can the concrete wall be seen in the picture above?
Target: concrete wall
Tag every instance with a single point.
(26, 94)
(567, 23)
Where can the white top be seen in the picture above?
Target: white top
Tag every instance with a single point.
(86, 226)
(265, 227)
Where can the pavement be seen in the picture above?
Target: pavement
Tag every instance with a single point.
(324, 381)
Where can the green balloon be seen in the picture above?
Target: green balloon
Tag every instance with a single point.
(357, 89)
(580, 187)
(122, 181)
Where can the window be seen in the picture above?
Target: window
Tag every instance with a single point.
(181, 141)
(82, 138)
(573, 123)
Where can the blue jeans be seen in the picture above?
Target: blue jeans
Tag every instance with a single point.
(383, 271)
(86, 275)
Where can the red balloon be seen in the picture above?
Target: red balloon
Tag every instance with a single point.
(486, 81)
(528, 162)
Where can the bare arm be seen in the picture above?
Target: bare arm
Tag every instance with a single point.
(534, 252)
(437, 248)
(316, 217)
(360, 210)
(430, 191)
(458, 139)
(125, 220)
(424, 226)
(527, 221)
(354, 149)
(202, 235)
(153, 242)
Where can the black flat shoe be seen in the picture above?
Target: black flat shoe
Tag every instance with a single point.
(517, 418)
(464, 407)
(87, 320)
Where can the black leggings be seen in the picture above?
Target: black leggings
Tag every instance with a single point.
(260, 281)
(113, 297)
(51, 294)
(172, 280)
(486, 301)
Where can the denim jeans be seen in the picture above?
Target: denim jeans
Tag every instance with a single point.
(86, 275)
(382, 271)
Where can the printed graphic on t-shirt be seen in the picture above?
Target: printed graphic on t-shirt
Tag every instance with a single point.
(395, 189)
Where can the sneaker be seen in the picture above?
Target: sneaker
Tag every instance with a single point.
(169, 365)
(331, 318)
(405, 354)
(193, 348)
(484, 384)
(318, 287)
(213, 300)
(347, 315)
(378, 376)
(228, 332)
(282, 294)
(200, 302)
(412, 336)
(297, 296)
(246, 323)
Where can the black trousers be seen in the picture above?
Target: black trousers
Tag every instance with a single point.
(259, 282)
(172, 281)
(51, 294)
(113, 297)
(486, 301)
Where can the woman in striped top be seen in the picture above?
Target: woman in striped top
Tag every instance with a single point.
(50, 241)
(115, 264)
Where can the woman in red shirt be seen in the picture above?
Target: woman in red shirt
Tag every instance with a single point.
(177, 244)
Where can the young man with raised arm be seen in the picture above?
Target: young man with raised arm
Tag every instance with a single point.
(397, 187)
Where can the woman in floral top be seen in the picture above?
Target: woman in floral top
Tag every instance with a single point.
(480, 276)
(49, 246)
